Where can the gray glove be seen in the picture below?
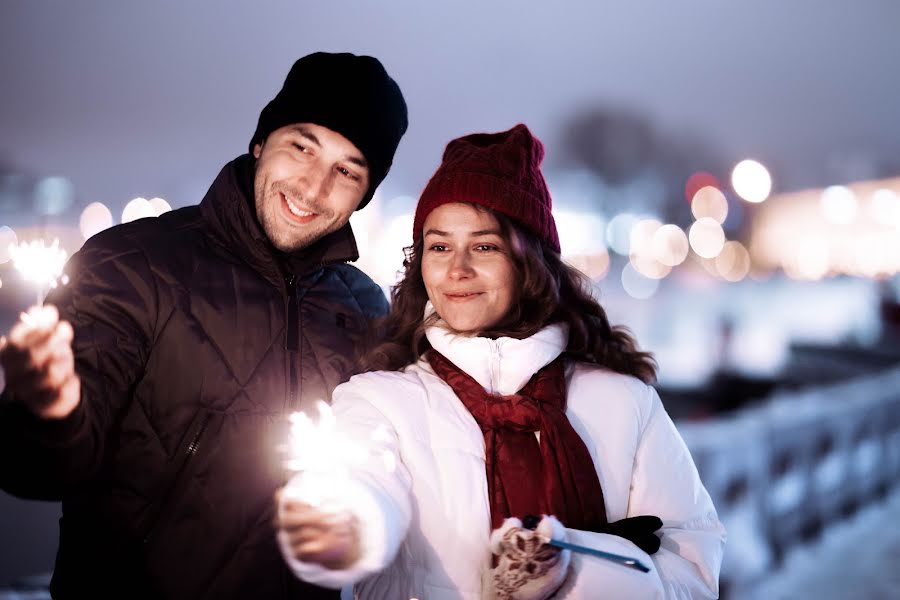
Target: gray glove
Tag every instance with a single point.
(524, 566)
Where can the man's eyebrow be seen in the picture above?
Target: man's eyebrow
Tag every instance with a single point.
(307, 134)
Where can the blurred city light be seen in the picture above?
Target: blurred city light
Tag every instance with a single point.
(138, 208)
(595, 265)
(160, 206)
(670, 245)
(751, 181)
(636, 285)
(885, 207)
(697, 182)
(733, 262)
(94, 218)
(580, 233)
(706, 237)
(839, 205)
(648, 266)
(618, 232)
(710, 202)
(641, 237)
(7, 238)
(53, 195)
(810, 260)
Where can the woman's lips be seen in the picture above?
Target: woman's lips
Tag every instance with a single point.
(462, 296)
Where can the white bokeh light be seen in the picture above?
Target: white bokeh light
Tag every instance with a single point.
(580, 233)
(710, 202)
(733, 262)
(160, 206)
(839, 205)
(94, 218)
(885, 207)
(670, 245)
(751, 181)
(636, 285)
(618, 232)
(138, 208)
(706, 237)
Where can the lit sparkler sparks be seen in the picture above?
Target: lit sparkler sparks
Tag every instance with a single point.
(40, 264)
(326, 456)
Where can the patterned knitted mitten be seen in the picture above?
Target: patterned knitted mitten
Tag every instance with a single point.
(524, 566)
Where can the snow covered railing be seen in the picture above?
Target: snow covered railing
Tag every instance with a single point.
(781, 473)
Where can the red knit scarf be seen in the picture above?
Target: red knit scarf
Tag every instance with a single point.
(553, 477)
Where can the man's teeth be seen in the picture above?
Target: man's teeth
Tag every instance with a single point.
(293, 208)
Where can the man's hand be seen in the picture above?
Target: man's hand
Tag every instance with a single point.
(330, 539)
(39, 365)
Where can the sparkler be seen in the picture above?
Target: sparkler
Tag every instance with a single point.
(40, 264)
(326, 457)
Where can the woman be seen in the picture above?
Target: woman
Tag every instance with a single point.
(504, 393)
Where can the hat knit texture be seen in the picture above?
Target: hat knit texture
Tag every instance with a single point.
(500, 171)
(351, 95)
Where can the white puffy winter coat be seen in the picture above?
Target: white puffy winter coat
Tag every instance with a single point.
(426, 523)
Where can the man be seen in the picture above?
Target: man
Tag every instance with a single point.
(153, 404)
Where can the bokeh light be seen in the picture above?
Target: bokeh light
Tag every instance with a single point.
(648, 266)
(94, 218)
(885, 207)
(618, 232)
(53, 195)
(697, 182)
(810, 260)
(751, 181)
(733, 262)
(670, 245)
(839, 205)
(636, 285)
(641, 237)
(138, 208)
(8, 238)
(706, 237)
(710, 202)
(580, 233)
(160, 206)
(595, 265)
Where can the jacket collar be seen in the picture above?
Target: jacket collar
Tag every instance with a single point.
(229, 209)
(502, 366)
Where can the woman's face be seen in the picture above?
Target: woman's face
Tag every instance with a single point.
(466, 266)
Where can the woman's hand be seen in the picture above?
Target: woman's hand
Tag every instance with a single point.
(330, 539)
(525, 566)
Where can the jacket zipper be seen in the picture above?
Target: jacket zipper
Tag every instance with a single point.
(292, 339)
(190, 450)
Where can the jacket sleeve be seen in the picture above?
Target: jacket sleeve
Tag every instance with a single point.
(664, 483)
(110, 301)
(375, 489)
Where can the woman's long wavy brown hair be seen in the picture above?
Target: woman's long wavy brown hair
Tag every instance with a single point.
(550, 292)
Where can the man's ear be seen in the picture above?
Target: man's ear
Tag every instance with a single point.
(257, 150)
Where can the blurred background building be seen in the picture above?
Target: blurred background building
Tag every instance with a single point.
(728, 175)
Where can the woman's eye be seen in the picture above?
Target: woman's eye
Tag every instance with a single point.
(485, 247)
(301, 147)
(437, 248)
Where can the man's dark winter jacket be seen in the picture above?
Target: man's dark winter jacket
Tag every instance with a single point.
(194, 339)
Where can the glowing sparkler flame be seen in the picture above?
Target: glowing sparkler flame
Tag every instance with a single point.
(40, 264)
(326, 455)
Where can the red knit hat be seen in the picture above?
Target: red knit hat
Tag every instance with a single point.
(500, 171)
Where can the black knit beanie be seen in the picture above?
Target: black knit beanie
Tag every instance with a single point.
(351, 95)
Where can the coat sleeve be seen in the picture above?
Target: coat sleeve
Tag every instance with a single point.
(375, 489)
(664, 483)
(110, 301)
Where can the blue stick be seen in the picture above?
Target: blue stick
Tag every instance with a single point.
(617, 558)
